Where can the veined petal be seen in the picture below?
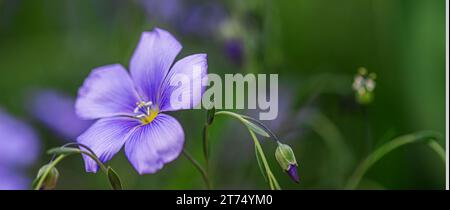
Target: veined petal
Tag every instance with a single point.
(105, 137)
(189, 71)
(107, 92)
(151, 61)
(151, 146)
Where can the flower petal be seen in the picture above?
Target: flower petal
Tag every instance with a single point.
(57, 112)
(151, 61)
(151, 146)
(19, 144)
(107, 92)
(193, 68)
(11, 180)
(105, 137)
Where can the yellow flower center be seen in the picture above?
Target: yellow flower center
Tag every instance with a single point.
(146, 112)
(149, 118)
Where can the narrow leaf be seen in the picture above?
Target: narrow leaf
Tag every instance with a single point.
(260, 125)
(114, 179)
(63, 150)
(255, 128)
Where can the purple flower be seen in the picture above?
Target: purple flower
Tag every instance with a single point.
(234, 49)
(11, 180)
(57, 112)
(19, 145)
(203, 20)
(200, 20)
(166, 11)
(19, 148)
(292, 172)
(130, 107)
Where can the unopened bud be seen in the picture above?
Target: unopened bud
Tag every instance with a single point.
(292, 171)
(51, 179)
(286, 158)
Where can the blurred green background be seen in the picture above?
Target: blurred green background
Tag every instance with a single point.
(315, 46)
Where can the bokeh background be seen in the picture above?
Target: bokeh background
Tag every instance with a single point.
(316, 48)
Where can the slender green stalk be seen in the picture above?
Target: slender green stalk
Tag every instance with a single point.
(390, 146)
(273, 183)
(199, 168)
(205, 146)
(438, 149)
(54, 162)
(272, 180)
(102, 166)
(237, 116)
(46, 172)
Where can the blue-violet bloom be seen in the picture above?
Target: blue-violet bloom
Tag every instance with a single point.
(19, 148)
(57, 111)
(130, 108)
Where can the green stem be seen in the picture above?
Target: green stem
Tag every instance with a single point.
(199, 168)
(205, 146)
(273, 183)
(272, 180)
(102, 166)
(438, 149)
(61, 157)
(390, 146)
(237, 116)
(46, 172)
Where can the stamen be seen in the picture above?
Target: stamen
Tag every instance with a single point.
(145, 111)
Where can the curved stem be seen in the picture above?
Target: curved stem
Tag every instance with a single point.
(44, 175)
(205, 146)
(55, 161)
(438, 149)
(272, 180)
(390, 146)
(101, 165)
(199, 168)
(231, 114)
(273, 183)
(89, 153)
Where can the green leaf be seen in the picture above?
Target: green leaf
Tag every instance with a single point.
(255, 128)
(261, 166)
(259, 124)
(63, 151)
(390, 146)
(114, 179)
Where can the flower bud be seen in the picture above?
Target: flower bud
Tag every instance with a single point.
(286, 158)
(293, 173)
(51, 179)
